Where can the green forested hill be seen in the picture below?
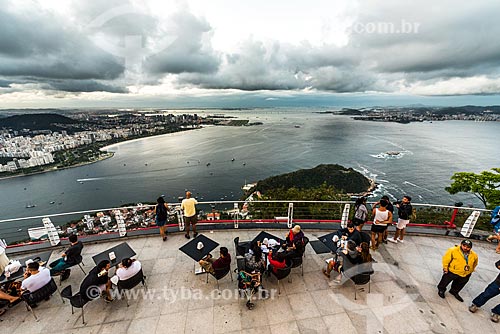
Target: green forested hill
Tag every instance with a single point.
(343, 179)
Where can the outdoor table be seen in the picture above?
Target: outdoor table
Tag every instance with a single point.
(44, 258)
(191, 249)
(119, 252)
(263, 234)
(327, 240)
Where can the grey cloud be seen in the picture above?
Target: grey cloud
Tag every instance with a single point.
(190, 50)
(35, 43)
(76, 86)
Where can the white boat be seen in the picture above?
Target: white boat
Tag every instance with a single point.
(248, 186)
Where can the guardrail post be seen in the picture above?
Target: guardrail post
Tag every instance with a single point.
(236, 215)
(122, 228)
(290, 215)
(345, 215)
(180, 219)
(51, 231)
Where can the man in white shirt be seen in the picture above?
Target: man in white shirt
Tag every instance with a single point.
(189, 206)
(35, 277)
(127, 269)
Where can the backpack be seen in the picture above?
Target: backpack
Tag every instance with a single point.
(161, 212)
(495, 216)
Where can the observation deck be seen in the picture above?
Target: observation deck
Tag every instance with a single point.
(402, 299)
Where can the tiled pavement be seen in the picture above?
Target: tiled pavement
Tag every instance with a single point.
(403, 297)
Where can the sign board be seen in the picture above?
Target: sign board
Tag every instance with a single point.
(51, 231)
(345, 215)
(122, 228)
(470, 223)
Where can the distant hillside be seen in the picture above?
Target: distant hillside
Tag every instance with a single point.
(343, 179)
(54, 122)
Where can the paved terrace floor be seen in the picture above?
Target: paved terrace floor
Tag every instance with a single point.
(403, 296)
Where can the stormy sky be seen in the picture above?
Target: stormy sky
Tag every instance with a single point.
(253, 53)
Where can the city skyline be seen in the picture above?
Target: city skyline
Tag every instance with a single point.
(223, 54)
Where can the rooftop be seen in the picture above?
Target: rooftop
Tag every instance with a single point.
(403, 297)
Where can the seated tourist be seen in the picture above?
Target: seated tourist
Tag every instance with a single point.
(71, 257)
(97, 278)
(35, 277)
(294, 236)
(254, 259)
(350, 233)
(347, 259)
(126, 269)
(210, 265)
(276, 260)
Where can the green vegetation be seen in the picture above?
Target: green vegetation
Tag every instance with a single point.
(344, 180)
(485, 186)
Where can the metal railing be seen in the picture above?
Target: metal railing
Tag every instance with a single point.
(235, 213)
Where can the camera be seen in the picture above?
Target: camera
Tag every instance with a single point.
(396, 203)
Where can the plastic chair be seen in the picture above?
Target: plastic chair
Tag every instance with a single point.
(281, 274)
(240, 247)
(220, 273)
(32, 298)
(131, 283)
(361, 279)
(75, 300)
(296, 262)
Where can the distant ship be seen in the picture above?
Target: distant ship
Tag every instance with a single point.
(29, 206)
(52, 202)
(232, 159)
(297, 126)
(208, 164)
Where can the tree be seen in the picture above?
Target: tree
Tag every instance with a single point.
(485, 186)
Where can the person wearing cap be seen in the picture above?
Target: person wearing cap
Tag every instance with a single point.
(492, 290)
(459, 262)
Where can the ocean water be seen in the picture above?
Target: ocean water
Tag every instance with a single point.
(142, 170)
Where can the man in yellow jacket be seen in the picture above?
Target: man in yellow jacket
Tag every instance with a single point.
(458, 264)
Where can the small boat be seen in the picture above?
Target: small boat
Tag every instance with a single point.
(145, 164)
(232, 159)
(81, 182)
(29, 206)
(52, 202)
(244, 164)
(208, 164)
(297, 126)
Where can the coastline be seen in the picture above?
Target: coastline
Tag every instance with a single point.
(104, 157)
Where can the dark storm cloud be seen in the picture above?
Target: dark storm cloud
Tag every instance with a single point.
(36, 43)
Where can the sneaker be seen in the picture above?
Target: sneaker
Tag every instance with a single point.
(393, 240)
(473, 308)
(187, 236)
(495, 317)
(164, 238)
(401, 240)
(441, 293)
(458, 297)
(384, 241)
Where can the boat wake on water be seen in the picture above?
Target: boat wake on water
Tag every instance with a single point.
(417, 186)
